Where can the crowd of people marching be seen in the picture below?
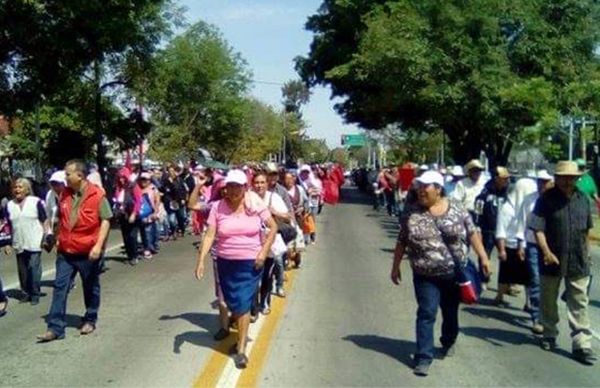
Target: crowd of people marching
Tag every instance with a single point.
(254, 221)
(537, 223)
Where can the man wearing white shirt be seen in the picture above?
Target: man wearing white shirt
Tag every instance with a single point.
(468, 189)
(532, 251)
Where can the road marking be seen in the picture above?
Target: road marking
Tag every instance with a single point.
(52, 271)
(220, 370)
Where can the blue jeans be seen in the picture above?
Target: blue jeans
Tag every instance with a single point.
(432, 292)
(150, 236)
(66, 267)
(279, 270)
(177, 221)
(29, 266)
(534, 257)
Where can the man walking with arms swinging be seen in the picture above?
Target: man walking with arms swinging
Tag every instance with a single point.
(84, 215)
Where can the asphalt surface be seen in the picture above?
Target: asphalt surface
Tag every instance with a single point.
(345, 324)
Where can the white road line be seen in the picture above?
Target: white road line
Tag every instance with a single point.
(52, 271)
(231, 374)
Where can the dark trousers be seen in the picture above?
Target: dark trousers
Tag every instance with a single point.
(489, 242)
(3, 297)
(432, 292)
(29, 266)
(390, 201)
(263, 294)
(66, 267)
(130, 232)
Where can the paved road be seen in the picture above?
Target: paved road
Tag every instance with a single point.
(344, 324)
(347, 325)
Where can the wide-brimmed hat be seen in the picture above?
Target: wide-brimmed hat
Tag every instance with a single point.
(502, 172)
(567, 168)
(271, 168)
(474, 164)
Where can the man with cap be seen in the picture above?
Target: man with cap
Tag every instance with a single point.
(561, 221)
(468, 189)
(487, 204)
(456, 175)
(57, 185)
(531, 250)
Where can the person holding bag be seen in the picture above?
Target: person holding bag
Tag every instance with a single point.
(435, 234)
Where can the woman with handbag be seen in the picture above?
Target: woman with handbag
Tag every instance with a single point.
(435, 235)
(235, 222)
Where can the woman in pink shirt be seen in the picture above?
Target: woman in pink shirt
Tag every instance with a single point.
(237, 223)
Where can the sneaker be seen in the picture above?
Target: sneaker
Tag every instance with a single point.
(548, 343)
(585, 356)
(221, 335)
(280, 292)
(537, 329)
(449, 351)
(133, 262)
(422, 368)
(147, 255)
(35, 300)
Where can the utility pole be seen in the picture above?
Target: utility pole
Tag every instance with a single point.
(571, 128)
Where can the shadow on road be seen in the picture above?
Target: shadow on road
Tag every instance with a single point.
(499, 315)
(72, 320)
(351, 195)
(204, 338)
(395, 348)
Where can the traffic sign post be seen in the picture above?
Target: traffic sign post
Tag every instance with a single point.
(354, 140)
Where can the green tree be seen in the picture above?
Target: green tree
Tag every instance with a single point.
(481, 71)
(195, 92)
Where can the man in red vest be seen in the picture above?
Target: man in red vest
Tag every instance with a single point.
(84, 222)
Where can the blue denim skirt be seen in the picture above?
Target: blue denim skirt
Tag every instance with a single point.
(239, 283)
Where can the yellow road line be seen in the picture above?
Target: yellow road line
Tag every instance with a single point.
(260, 349)
(213, 370)
(211, 373)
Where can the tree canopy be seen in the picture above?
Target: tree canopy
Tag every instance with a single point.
(480, 70)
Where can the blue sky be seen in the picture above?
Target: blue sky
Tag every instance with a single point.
(269, 34)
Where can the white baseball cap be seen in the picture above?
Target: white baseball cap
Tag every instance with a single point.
(430, 177)
(457, 171)
(304, 167)
(237, 177)
(424, 167)
(544, 175)
(58, 177)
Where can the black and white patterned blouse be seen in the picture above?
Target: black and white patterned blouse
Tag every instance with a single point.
(432, 242)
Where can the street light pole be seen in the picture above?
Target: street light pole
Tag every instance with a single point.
(571, 128)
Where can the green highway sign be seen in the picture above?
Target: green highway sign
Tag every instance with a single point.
(354, 140)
